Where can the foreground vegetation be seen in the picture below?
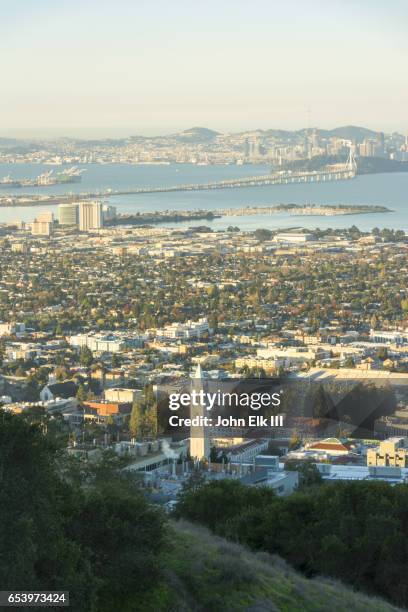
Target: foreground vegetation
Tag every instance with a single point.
(356, 532)
(87, 529)
(206, 573)
(67, 527)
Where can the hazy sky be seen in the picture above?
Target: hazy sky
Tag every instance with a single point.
(117, 67)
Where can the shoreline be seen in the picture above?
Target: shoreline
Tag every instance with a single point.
(310, 210)
(175, 216)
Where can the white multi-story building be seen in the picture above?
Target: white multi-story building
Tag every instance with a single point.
(41, 228)
(269, 364)
(190, 329)
(90, 216)
(105, 342)
(98, 343)
(388, 337)
(293, 237)
(8, 329)
(22, 351)
(123, 395)
(292, 355)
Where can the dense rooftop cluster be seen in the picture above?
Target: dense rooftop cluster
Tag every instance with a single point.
(140, 278)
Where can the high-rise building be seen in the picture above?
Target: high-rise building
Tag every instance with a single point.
(109, 212)
(367, 148)
(41, 228)
(380, 138)
(90, 216)
(68, 214)
(255, 148)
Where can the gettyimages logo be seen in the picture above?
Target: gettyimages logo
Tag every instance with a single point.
(242, 404)
(208, 400)
(279, 407)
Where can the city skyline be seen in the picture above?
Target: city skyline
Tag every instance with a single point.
(72, 70)
(200, 130)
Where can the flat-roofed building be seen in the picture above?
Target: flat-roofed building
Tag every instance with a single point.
(392, 452)
(117, 394)
(388, 337)
(293, 237)
(41, 228)
(90, 216)
(68, 214)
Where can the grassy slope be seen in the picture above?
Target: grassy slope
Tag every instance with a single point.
(205, 573)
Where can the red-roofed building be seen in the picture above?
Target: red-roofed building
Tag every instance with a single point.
(330, 446)
(106, 409)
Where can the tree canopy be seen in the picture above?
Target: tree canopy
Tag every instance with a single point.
(101, 541)
(356, 532)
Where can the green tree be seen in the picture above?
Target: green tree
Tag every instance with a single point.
(61, 372)
(34, 507)
(215, 502)
(116, 361)
(102, 541)
(20, 372)
(263, 234)
(320, 529)
(32, 391)
(58, 330)
(213, 454)
(309, 475)
(382, 353)
(126, 537)
(81, 393)
(349, 362)
(135, 423)
(322, 404)
(85, 356)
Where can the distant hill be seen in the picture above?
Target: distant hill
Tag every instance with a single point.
(205, 573)
(352, 132)
(196, 134)
(15, 144)
(278, 133)
(348, 132)
(8, 141)
(201, 135)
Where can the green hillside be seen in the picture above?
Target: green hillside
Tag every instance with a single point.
(205, 573)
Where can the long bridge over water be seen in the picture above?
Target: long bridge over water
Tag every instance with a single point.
(337, 173)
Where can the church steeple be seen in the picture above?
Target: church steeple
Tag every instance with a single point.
(199, 435)
(198, 374)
